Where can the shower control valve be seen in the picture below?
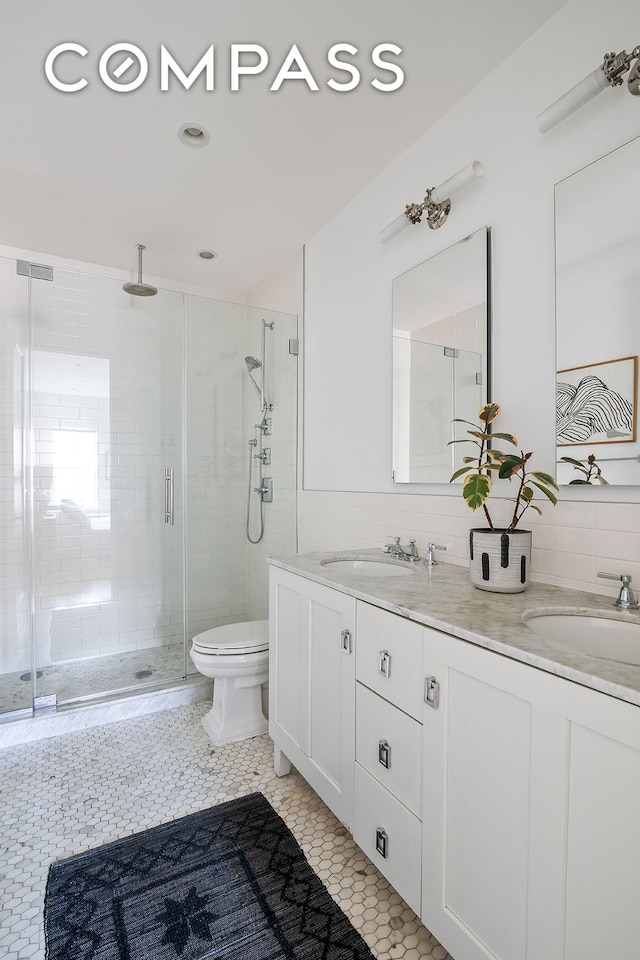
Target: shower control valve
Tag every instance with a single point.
(265, 456)
(266, 490)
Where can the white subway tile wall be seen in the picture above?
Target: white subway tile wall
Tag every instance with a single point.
(281, 388)
(571, 542)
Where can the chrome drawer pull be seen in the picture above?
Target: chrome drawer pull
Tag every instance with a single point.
(345, 639)
(384, 754)
(384, 664)
(382, 841)
(431, 692)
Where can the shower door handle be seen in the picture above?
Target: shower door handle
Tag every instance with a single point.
(168, 496)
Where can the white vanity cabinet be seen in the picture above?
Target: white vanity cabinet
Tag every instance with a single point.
(312, 684)
(500, 800)
(388, 770)
(531, 829)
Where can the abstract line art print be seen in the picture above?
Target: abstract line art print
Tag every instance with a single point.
(597, 403)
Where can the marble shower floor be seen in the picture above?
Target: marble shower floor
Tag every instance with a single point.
(93, 676)
(69, 793)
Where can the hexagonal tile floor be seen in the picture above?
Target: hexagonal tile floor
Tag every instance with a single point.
(66, 794)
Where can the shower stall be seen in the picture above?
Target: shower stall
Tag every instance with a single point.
(124, 475)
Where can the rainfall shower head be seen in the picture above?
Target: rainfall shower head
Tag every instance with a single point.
(140, 289)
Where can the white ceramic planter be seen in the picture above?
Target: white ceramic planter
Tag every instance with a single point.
(499, 561)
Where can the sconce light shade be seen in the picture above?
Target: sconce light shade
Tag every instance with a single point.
(608, 74)
(436, 204)
(573, 99)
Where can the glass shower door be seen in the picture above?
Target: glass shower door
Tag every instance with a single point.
(16, 661)
(107, 423)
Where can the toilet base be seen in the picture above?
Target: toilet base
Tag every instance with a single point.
(236, 713)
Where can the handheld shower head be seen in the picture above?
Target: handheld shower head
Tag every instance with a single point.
(253, 364)
(140, 289)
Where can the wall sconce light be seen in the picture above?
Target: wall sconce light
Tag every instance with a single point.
(608, 74)
(436, 204)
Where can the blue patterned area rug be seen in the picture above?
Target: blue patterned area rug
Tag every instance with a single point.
(227, 883)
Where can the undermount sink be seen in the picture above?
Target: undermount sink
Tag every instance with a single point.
(607, 638)
(369, 568)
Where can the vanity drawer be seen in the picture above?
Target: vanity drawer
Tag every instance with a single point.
(390, 835)
(389, 747)
(389, 654)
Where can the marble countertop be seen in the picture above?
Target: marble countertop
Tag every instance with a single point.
(444, 598)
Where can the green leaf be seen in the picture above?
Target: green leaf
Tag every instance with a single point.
(489, 412)
(475, 442)
(498, 455)
(480, 436)
(505, 436)
(476, 489)
(470, 459)
(508, 467)
(576, 463)
(545, 478)
(602, 480)
(546, 492)
(459, 473)
(580, 481)
(468, 422)
(537, 509)
(527, 494)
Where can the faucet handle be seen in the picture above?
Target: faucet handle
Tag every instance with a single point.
(393, 547)
(411, 552)
(430, 560)
(625, 577)
(625, 597)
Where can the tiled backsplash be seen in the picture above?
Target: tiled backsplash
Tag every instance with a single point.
(571, 542)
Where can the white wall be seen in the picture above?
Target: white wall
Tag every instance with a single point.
(347, 392)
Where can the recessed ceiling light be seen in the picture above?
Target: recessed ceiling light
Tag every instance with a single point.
(207, 254)
(193, 134)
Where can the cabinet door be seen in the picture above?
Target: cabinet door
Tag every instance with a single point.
(389, 657)
(476, 800)
(389, 834)
(530, 807)
(600, 828)
(312, 684)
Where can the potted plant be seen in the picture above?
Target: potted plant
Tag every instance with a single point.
(499, 556)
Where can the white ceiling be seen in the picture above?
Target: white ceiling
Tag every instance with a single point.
(86, 176)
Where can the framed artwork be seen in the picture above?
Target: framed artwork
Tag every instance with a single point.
(597, 403)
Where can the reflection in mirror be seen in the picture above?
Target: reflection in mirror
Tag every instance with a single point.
(440, 357)
(597, 304)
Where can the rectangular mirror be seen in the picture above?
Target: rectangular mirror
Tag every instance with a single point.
(440, 357)
(597, 222)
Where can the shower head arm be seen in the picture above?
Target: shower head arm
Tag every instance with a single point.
(140, 247)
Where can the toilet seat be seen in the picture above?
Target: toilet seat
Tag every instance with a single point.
(233, 639)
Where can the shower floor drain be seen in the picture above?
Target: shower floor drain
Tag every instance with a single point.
(27, 676)
(140, 674)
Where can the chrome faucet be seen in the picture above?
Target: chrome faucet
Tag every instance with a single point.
(430, 560)
(625, 598)
(394, 549)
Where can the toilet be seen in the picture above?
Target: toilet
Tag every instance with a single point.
(236, 656)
